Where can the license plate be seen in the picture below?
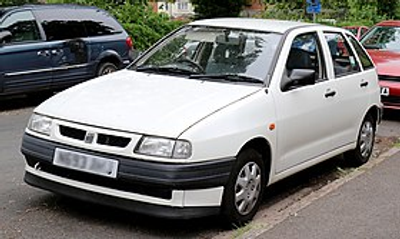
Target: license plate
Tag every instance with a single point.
(86, 163)
(385, 91)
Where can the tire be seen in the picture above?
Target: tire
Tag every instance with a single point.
(244, 190)
(106, 68)
(365, 143)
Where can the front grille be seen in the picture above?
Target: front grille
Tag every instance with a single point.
(102, 139)
(118, 184)
(72, 132)
(111, 140)
(390, 100)
(389, 78)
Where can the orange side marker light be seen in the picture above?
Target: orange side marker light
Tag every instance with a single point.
(272, 126)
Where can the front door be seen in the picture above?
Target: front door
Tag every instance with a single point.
(24, 58)
(304, 111)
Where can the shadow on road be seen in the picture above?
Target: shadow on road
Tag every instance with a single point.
(123, 223)
(21, 102)
(392, 115)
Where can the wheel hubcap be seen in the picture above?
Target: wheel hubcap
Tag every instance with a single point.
(108, 70)
(247, 188)
(366, 139)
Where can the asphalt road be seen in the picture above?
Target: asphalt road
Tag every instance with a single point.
(27, 212)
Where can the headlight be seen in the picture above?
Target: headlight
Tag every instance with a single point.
(40, 124)
(163, 147)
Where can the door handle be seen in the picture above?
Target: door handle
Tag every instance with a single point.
(43, 53)
(364, 84)
(330, 94)
(57, 52)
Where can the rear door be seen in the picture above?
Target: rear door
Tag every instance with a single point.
(25, 58)
(67, 37)
(352, 86)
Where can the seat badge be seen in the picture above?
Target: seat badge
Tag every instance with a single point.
(89, 137)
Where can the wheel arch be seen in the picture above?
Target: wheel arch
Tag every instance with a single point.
(262, 146)
(376, 113)
(109, 56)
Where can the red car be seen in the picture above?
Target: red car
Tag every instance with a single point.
(383, 44)
(357, 31)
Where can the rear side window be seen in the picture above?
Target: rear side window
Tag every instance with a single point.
(68, 23)
(22, 26)
(365, 61)
(343, 58)
(61, 24)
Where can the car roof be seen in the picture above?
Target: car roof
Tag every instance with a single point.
(390, 23)
(269, 25)
(45, 6)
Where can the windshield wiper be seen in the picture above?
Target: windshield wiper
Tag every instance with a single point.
(164, 69)
(231, 77)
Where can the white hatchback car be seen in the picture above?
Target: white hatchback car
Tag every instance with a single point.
(207, 117)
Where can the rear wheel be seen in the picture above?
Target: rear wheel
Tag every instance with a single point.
(365, 143)
(244, 191)
(106, 68)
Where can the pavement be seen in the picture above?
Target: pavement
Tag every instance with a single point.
(366, 206)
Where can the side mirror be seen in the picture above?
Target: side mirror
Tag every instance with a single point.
(5, 36)
(298, 78)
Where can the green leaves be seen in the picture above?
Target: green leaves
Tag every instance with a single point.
(220, 8)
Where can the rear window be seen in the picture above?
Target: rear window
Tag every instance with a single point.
(65, 23)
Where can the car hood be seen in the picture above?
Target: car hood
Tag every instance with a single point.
(387, 62)
(143, 103)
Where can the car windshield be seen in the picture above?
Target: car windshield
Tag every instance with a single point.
(206, 53)
(352, 30)
(382, 38)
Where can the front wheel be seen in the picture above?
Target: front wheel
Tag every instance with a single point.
(244, 191)
(365, 143)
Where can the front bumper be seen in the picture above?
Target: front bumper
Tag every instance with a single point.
(390, 88)
(153, 188)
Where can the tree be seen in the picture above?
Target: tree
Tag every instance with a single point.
(387, 7)
(6, 3)
(220, 8)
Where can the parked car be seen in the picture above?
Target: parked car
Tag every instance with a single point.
(358, 31)
(50, 47)
(183, 135)
(383, 44)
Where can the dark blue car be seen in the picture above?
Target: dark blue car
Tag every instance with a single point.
(51, 47)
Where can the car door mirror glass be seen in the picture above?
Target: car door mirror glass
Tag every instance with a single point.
(298, 78)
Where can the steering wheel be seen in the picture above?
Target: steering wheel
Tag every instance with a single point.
(192, 63)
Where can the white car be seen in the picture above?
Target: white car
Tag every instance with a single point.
(207, 117)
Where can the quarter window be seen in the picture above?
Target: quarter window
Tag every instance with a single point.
(22, 26)
(343, 58)
(365, 61)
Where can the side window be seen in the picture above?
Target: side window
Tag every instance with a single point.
(305, 60)
(100, 23)
(344, 61)
(61, 24)
(22, 26)
(365, 61)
